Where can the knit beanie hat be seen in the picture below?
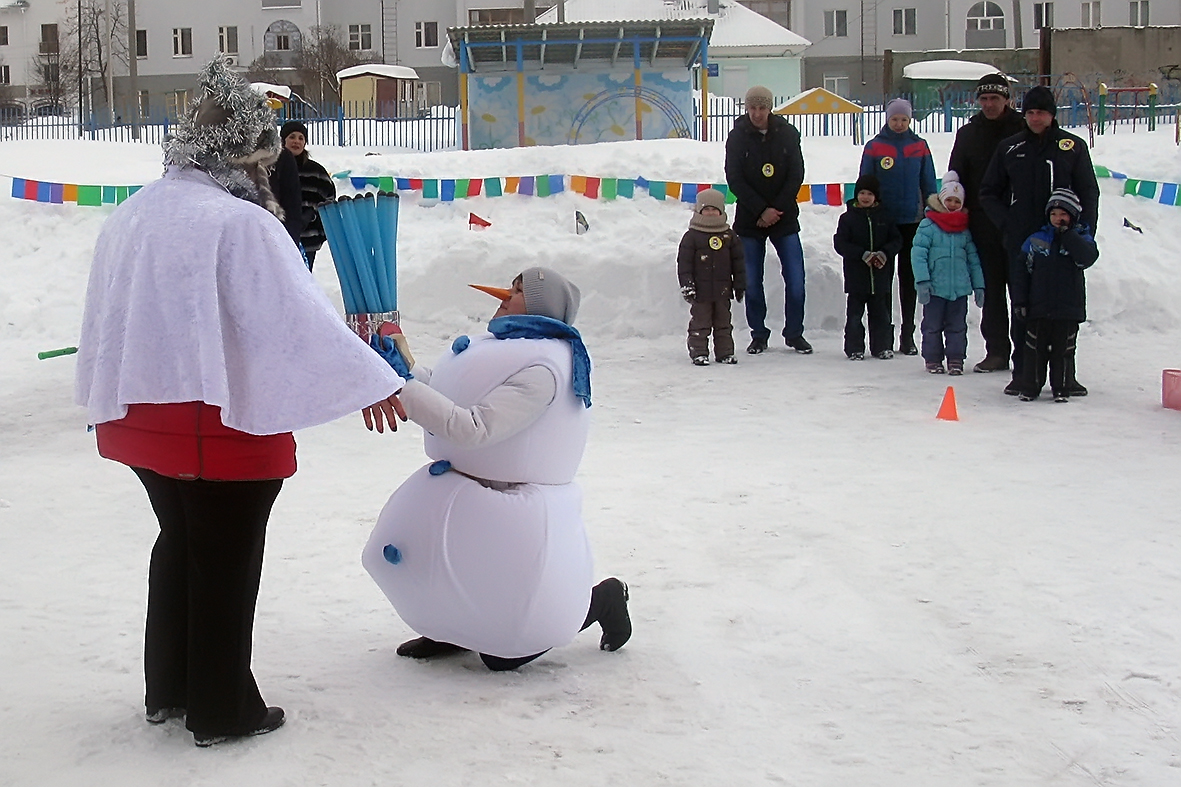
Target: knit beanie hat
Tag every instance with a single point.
(229, 133)
(951, 186)
(711, 198)
(1040, 98)
(549, 294)
(899, 106)
(759, 96)
(1068, 201)
(868, 182)
(994, 84)
(292, 126)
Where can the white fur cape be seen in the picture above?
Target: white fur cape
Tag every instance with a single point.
(196, 295)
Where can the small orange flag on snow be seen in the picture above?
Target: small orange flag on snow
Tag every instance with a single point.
(474, 221)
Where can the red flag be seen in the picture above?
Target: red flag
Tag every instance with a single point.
(473, 187)
(592, 188)
(416, 184)
(475, 221)
(836, 194)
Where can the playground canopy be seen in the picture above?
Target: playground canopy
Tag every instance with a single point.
(949, 71)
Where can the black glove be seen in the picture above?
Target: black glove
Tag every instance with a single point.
(738, 295)
(689, 293)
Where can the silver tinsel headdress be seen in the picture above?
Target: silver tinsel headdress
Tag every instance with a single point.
(230, 133)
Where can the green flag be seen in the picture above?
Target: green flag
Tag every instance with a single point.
(386, 184)
(430, 189)
(1147, 189)
(90, 195)
(492, 187)
(608, 188)
(626, 188)
(543, 185)
(656, 189)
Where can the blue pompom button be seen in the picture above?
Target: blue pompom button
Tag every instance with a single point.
(439, 467)
(460, 344)
(392, 554)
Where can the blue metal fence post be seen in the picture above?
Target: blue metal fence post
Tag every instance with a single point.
(946, 112)
(340, 125)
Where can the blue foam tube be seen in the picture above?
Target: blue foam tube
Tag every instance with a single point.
(387, 215)
(367, 218)
(350, 285)
(352, 231)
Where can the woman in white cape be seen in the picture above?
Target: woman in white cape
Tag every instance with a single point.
(484, 549)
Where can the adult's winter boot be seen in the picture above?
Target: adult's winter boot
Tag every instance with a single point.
(608, 608)
(426, 648)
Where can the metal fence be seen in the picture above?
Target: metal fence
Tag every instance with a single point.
(435, 129)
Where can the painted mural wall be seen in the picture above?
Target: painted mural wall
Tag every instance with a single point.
(578, 108)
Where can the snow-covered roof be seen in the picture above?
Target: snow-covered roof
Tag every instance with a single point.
(735, 26)
(377, 70)
(954, 70)
(266, 88)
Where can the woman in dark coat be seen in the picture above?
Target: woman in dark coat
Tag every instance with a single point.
(315, 187)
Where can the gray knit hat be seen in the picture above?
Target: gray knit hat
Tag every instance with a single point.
(759, 96)
(1068, 201)
(711, 198)
(549, 294)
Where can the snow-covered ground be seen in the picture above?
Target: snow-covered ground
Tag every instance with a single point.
(829, 586)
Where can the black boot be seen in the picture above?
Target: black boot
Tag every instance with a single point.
(426, 648)
(608, 608)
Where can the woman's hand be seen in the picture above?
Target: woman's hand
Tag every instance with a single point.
(387, 408)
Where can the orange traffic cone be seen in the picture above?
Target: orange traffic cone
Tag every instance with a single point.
(947, 411)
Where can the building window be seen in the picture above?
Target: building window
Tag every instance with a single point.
(838, 83)
(141, 44)
(496, 16)
(182, 42)
(426, 35)
(360, 38)
(4, 35)
(1137, 14)
(904, 21)
(1043, 15)
(49, 44)
(5, 76)
(1091, 14)
(227, 40)
(282, 42)
(143, 104)
(987, 16)
(778, 11)
(836, 23)
(176, 103)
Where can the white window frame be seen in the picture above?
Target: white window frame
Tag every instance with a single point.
(227, 36)
(1043, 15)
(1092, 13)
(905, 21)
(176, 103)
(360, 38)
(836, 23)
(987, 21)
(837, 83)
(421, 30)
(1138, 13)
(5, 75)
(182, 42)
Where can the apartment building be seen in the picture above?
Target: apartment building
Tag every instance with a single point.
(849, 36)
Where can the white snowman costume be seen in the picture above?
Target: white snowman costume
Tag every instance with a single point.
(491, 554)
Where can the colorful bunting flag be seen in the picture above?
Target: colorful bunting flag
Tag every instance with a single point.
(556, 184)
(592, 188)
(447, 190)
(626, 188)
(430, 189)
(578, 184)
(656, 189)
(543, 184)
(526, 186)
(475, 221)
(492, 187)
(610, 188)
(689, 193)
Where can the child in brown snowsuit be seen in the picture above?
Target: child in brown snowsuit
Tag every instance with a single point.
(711, 270)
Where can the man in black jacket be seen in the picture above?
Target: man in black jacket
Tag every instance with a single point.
(974, 146)
(1025, 169)
(765, 169)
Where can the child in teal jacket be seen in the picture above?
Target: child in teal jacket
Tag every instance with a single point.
(946, 271)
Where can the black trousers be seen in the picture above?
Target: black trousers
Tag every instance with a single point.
(881, 330)
(499, 664)
(906, 294)
(202, 587)
(1048, 342)
(994, 317)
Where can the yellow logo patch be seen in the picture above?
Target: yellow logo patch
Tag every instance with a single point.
(887, 162)
(715, 242)
(1066, 144)
(768, 170)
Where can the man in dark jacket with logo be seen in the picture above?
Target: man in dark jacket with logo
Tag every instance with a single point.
(975, 144)
(765, 169)
(1026, 168)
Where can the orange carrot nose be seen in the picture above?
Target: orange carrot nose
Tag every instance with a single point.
(499, 293)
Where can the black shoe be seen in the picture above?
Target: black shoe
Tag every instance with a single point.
(1074, 388)
(800, 345)
(700, 360)
(1025, 396)
(1060, 396)
(426, 648)
(856, 356)
(757, 346)
(609, 606)
(907, 347)
(161, 715)
(1013, 388)
(728, 360)
(271, 722)
(992, 363)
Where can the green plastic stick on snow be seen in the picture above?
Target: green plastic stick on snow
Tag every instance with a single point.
(55, 353)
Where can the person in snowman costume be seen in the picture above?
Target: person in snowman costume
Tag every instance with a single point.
(484, 549)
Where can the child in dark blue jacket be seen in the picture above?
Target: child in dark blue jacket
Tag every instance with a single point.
(1050, 292)
(867, 240)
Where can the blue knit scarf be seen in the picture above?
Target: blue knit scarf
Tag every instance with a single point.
(528, 326)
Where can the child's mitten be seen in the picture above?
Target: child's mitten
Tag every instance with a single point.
(979, 296)
(689, 293)
(923, 291)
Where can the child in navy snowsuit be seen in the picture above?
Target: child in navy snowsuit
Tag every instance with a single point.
(711, 269)
(946, 271)
(1050, 292)
(867, 240)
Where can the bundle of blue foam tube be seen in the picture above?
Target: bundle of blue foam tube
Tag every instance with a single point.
(362, 233)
